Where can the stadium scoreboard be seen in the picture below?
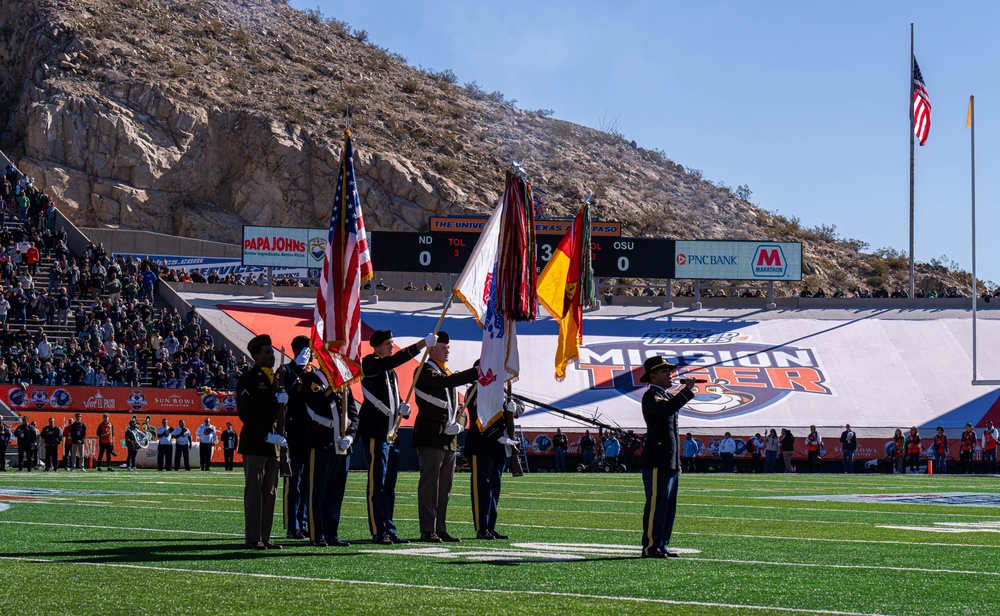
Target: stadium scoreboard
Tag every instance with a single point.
(447, 253)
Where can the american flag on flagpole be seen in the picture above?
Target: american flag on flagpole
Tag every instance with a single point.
(921, 105)
(336, 330)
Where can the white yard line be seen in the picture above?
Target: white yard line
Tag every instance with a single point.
(764, 608)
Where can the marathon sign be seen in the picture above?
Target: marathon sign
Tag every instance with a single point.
(284, 246)
(738, 260)
(740, 376)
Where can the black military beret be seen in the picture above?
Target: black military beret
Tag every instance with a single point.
(257, 342)
(299, 343)
(443, 337)
(379, 336)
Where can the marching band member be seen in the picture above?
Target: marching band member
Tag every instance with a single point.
(660, 461)
(379, 410)
(434, 437)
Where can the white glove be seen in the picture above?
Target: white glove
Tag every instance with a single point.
(430, 340)
(403, 410)
(276, 439)
(346, 442)
(505, 440)
(453, 429)
(512, 407)
(304, 357)
(281, 397)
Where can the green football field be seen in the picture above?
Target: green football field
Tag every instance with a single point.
(171, 543)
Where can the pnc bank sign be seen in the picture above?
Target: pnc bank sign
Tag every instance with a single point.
(738, 260)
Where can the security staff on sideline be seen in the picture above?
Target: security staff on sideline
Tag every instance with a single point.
(487, 452)
(329, 456)
(295, 502)
(182, 446)
(25, 442)
(379, 410)
(5, 436)
(660, 461)
(434, 437)
(52, 436)
(229, 442)
(257, 400)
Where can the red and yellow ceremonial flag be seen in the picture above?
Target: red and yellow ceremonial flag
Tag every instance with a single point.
(565, 286)
(336, 330)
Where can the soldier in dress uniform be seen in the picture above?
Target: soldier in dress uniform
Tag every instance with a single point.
(297, 426)
(329, 456)
(379, 410)
(434, 437)
(257, 400)
(487, 452)
(660, 461)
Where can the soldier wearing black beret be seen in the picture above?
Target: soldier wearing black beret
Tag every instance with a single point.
(257, 400)
(660, 461)
(381, 407)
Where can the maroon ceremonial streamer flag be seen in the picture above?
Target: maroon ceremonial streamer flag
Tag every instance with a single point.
(336, 330)
(921, 105)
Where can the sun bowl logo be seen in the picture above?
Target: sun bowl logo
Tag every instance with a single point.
(317, 248)
(741, 376)
(60, 398)
(137, 400)
(769, 261)
(229, 403)
(39, 398)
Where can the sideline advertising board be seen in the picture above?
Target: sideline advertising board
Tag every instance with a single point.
(284, 246)
(737, 260)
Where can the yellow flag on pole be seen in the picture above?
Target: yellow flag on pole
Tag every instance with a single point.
(968, 119)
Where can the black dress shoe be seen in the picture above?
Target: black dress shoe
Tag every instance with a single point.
(272, 546)
(448, 538)
(497, 535)
(430, 538)
(672, 554)
(395, 539)
(654, 554)
(337, 543)
(319, 544)
(257, 546)
(484, 534)
(382, 539)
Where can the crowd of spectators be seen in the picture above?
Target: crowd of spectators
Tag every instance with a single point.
(92, 317)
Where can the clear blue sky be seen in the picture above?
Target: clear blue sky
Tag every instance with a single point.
(806, 103)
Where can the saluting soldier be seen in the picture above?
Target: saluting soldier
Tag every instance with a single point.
(434, 437)
(487, 452)
(257, 400)
(297, 426)
(379, 410)
(660, 461)
(329, 456)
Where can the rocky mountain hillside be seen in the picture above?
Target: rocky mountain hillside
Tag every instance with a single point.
(194, 117)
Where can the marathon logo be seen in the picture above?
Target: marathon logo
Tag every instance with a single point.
(769, 261)
(740, 378)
